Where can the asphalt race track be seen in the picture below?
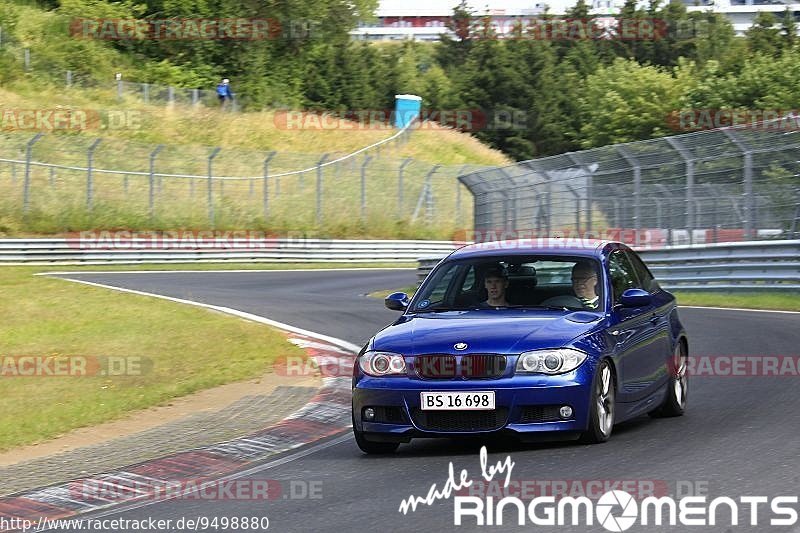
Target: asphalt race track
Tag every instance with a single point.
(740, 436)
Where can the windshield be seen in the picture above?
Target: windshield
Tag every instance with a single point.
(548, 282)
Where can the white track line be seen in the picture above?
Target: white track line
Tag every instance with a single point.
(230, 311)
(247, 316)
(738, 309)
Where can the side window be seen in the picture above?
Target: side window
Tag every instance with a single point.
(437, 292)
(621, 274)
(645, 277)
(469, 280)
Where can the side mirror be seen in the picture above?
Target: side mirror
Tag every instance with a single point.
(397, 301)
(635, 298)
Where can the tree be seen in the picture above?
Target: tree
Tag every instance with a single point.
(763, 37)
(715, 38)
(627, 102)
(788, 29)
(452, 51)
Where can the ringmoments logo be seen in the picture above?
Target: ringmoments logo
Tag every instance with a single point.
(615, 510)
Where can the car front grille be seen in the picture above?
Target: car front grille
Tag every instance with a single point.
(435, 366)
(469, 366)
(539, 413)
(460, 420)
(482, 366)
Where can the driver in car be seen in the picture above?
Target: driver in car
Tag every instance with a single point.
(584, 284)
(496, 283)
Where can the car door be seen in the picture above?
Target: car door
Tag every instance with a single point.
(663, 305)
(633, 332)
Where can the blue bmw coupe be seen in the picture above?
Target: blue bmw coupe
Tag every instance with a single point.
(544, 338)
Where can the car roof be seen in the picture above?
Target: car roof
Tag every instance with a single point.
(535, 246)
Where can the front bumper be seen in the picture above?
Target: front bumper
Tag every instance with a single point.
(525, 405)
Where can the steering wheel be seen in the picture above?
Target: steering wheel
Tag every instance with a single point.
(565, 300)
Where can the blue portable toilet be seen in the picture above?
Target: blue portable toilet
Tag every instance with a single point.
(406, 108)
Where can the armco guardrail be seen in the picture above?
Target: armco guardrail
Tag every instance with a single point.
(757, 265)
(299, 250)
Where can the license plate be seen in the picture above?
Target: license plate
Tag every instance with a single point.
(457, 401)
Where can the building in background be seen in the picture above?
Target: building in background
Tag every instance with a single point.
(426, 20)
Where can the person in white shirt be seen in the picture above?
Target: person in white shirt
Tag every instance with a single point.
(584, 284)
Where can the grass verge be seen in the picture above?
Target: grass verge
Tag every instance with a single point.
(182, 350)
(410, 290)
(409, 187)
(788, 301)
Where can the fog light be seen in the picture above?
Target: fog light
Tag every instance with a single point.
(565, 411)
(369, 413)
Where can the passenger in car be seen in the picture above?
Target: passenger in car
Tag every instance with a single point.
(584, 284)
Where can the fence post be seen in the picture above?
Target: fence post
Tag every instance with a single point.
(364, 187)
(27, 183)
(89, 180)
(749, 199)
(458, 194)
(637, 193)
(146, 92)
(120, 88)
(545, 206)
(689, 161)
(151, 184)
(195, 96)
(170, 95)
(400, 171)
(27, 59)
(589, 192)
(429, 206)
(211, 157)
(666, 195)
(319, 187)
(577, 196)
(69, 78)
(266, 182)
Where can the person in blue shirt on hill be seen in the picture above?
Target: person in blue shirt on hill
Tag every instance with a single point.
(224, 92)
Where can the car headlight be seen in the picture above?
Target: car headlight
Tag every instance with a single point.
(378, 364)
(550, 361)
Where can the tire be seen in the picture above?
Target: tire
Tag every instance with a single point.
(677, 391)
(370, 447)
(602, 406)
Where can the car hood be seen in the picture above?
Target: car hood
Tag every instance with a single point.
(489, 331)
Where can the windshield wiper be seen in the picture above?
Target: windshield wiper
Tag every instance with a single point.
(552, 307)
(436, 310)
